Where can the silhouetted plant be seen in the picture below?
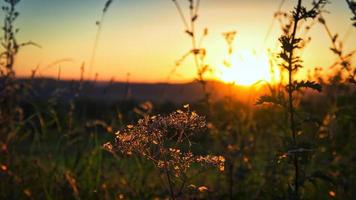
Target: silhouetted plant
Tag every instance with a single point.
(290, 43)
(198, 52)
(61, 155)
(352, 6)
(229, 39)
(344, 58)
(99, 24)
(9, 87)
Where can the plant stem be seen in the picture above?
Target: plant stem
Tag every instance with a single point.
(290, 94)
(182, 187)
(349, 3)
(190, 28)
(194, 45)
(231, 181)
(169, 182)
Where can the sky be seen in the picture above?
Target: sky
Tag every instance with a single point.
(144, 38)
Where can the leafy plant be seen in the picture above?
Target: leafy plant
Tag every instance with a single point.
(352, 6)
(290, 43)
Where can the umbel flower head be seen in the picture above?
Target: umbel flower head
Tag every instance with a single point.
(165, 140)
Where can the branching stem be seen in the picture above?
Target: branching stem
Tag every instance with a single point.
(290, 99)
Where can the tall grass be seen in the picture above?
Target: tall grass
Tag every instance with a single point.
(197, 51)
(301, 148)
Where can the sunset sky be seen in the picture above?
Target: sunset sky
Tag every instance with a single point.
(146, 37)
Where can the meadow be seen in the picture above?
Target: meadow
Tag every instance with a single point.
(291, 137)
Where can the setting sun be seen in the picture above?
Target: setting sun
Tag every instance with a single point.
(123, 99)
(247, 68)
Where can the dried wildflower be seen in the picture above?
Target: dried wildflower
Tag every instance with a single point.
(165, 140)
(218, 161)
(332, 193)
(192, 186)
(202, 189)
(108, 146)
(120, 196)
(144, 109)
(3, 167)
(109, 129)
(27, 192)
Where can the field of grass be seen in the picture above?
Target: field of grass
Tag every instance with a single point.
(293, 140)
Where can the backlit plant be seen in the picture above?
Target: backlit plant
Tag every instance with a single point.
(296, 152)
(198, 52)
(166, 141)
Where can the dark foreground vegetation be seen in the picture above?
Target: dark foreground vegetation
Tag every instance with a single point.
(295, 142)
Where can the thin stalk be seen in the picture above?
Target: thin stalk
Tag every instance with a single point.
(180, 11)
(199, 66)
(231, 181)
(197, 4)
(290, 100)
(97, 36)
(192, 30)
(95, 46)
(169, 182)
(182, 187)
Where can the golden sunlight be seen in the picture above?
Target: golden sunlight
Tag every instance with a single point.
(247, 68)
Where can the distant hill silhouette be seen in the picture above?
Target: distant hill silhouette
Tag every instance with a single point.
(114, 91)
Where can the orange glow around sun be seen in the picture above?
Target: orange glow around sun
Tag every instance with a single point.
(247, 68)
